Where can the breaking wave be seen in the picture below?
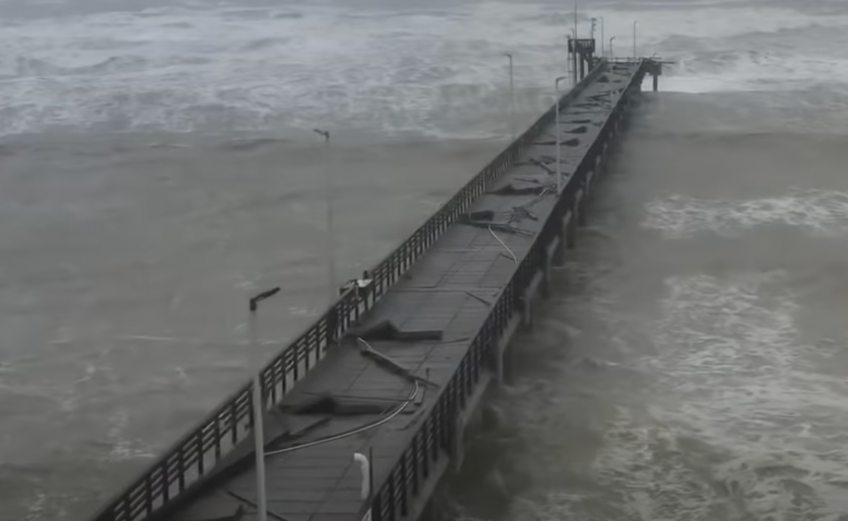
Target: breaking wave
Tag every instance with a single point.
(819, 212)
(430, 72)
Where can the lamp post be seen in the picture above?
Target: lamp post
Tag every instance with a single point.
(259, 409)
(575, 18)
(634, 39)
(328, 195)
(602, 36)
(612, 54)
(557, 135)
(511, 98)
(573, 61)
(574, 48)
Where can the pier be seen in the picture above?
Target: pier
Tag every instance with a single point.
(366, 410)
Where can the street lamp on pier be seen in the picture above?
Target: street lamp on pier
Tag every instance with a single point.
(557, 134)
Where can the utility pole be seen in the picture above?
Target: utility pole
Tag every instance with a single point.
(511, 98)
(574, 48)
(328, 195)
(259, 410)
(634, 39)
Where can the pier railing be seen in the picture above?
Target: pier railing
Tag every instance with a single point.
(182, 467)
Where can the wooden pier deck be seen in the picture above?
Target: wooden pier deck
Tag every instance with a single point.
(425, 323)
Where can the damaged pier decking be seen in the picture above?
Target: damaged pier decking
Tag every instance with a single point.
(405, 356)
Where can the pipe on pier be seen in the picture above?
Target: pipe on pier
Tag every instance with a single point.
(365, 468)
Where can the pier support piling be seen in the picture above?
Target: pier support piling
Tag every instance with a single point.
(570, 228)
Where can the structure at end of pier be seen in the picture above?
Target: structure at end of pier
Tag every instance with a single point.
(654, 67)
(364, 412)
(581, 54)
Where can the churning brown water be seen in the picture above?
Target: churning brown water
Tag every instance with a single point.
(692, 365)
(158, 166)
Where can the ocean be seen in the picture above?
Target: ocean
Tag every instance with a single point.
(158, 165)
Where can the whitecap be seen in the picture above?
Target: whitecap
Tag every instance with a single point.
(435, 74)
(819, 212)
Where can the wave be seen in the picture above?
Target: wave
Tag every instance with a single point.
(260, 68)
(729, 423)
(34, 67)
(820, 212)
(24, 67)
(783, 58)
(247, 145)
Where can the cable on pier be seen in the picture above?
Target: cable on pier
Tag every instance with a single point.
(357, 430)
